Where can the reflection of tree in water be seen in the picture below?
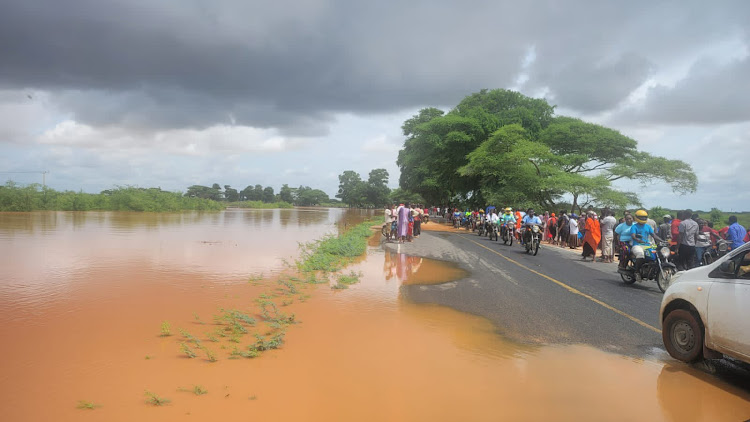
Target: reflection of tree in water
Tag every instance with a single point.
(303, 217)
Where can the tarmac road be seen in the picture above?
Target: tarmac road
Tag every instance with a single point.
(551, 298)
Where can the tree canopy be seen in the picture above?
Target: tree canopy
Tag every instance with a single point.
(502, 147)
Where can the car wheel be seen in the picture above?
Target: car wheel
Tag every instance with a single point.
(683, 336)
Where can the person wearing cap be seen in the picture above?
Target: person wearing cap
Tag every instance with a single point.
(641, 232)
(552, 228)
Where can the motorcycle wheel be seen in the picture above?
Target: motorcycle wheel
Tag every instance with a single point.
(536, 246)
(664, 279)
(627, 278)
(510, 239)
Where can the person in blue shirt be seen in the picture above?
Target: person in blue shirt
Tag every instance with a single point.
(736, 233)
(641, 233)
(527, 221)
(623, 234)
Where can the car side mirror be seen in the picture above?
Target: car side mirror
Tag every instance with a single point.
(728, 267)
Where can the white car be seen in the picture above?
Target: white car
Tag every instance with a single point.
(705, 312)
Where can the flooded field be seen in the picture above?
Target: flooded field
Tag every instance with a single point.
(84, 298)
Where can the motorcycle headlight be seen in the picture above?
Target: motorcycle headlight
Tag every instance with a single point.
(722, 246)
(664, 252)
(536, 229)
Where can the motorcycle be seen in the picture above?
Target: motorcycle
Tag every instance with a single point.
(715, 252)
(507, 234)
(533, 240)
(492, 231)
(481, 229)
(657, 267)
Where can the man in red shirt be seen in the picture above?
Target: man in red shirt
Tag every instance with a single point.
(675, 228)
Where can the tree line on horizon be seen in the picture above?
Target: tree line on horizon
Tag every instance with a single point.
(302, 196)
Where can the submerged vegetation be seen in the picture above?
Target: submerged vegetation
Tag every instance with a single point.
(89, 405)
(332, 253)
(153, 399)
(249, 333)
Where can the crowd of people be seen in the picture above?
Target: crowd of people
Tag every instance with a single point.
(689, 236)
(404, 222)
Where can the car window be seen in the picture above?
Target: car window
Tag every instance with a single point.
(744, 267)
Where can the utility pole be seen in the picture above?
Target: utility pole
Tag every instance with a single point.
(43, 173)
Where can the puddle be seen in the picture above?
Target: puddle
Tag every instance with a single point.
(365, 353)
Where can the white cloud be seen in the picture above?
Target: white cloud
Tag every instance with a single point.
(381, 144)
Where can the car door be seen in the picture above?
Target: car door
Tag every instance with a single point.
(729, 309)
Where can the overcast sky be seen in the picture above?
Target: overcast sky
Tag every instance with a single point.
(242, 92)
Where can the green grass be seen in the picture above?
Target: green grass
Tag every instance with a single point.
(332, 253)
(155, 400)
(184, 348)
(166, 329)
(197, 390)
(88, 405)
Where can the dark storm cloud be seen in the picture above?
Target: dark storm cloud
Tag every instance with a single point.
(709, 94)
(292, 64)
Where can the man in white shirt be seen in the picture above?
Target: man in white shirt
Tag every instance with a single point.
(608, 224)
(387, 222)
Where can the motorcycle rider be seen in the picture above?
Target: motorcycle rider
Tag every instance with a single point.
(641, 233)
(529, 220)
(508, 220)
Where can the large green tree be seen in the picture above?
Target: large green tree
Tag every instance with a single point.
(376, 191)
(351, 188)
(502, 147)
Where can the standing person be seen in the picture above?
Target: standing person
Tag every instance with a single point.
(417, 214)
(608, 224)
(650, 221)
(702, 241)
(563, 228)
(573, 236)
(688, 228)
(552, 229)
(665, 228)
(736, 233)
(403, 222)
(388, 219)
(623, 231)
(592, 237)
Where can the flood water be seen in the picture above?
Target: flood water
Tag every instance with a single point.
(83, 297)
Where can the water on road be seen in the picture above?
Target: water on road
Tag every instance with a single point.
(83, 297)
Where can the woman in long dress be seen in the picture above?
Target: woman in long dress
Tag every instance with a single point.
(403, 222)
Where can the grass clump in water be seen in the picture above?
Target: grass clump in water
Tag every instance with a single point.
(153, 399)
(345, 280)
(334, 252)
(184, 348)
(198, 390)
(88, 405)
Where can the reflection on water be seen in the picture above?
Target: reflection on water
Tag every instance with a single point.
(48, 254)
(84, 299)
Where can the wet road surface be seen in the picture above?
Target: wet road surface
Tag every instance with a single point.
(551, 298)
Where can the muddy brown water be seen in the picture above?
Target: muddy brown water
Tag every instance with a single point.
(83, 296)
